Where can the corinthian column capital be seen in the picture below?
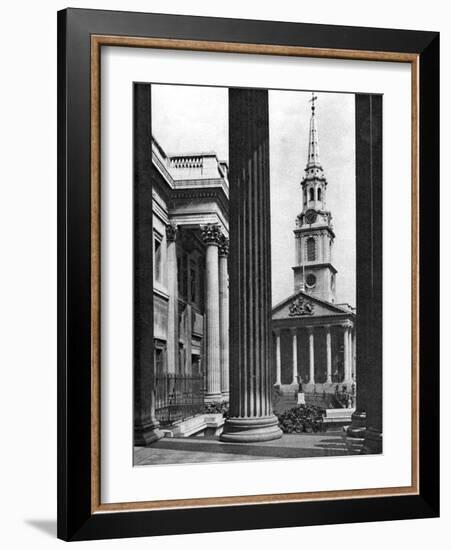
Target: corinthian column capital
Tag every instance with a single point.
(223, 246)
(171, 232)
(211, 234)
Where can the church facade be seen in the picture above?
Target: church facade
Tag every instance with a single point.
(314, 336)
(190, 195)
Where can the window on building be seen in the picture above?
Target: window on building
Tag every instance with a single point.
(182, 275)
(195, 365)
(181, 366)
(312, 194)
(311, 280)
(159, 361)
(193, 283)
(200, 272)
(311, 249)
(157, 259)
(318, 193)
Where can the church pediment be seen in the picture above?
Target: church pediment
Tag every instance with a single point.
(301, 305)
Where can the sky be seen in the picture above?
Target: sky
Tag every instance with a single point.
(195, 119)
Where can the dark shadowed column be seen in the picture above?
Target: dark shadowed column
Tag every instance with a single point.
(367, 420)
(251, 416)
(145, 425)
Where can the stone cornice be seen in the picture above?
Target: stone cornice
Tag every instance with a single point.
(314, 265)
(313, 231)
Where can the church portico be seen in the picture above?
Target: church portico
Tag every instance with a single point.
(317, 354)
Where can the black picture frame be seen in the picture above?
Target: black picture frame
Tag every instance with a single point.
(76, 521)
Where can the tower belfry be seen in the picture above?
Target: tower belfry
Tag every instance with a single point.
(314, 235)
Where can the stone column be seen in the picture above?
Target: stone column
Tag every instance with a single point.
(353, 355)
(311, 355)
(278, 359)
(328, 356)
(188, 339)
(350, 353)
(211, 235)
(295, 356)
(145, 426)
(224, 316)
(367, 420)
(173, 317)
(346, 354)
(251, 415)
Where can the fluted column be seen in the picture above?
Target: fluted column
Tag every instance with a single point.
(346, 355)
(146, 427)
(295, 356)
(173, 321)
(278, 359)
(311, 355)
(328, 356)
(354, 355)
(251, 415)
(367, 419)
(211, 235)
(224, 316)
(350, 352)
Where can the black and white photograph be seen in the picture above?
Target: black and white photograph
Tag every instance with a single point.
(245, 288)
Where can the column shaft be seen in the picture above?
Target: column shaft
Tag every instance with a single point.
(346, 354)
(211, 235)
(278, 361)
(188, 339)
(328, 356)
(224, 317)
(311, 356)
(173, 320)
(251, 416)
(145, 424)
(367, 420)
(350, 353)
(295, 357)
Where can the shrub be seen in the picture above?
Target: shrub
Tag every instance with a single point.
(302, 419)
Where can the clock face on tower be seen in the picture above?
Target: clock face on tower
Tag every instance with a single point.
(310, 216)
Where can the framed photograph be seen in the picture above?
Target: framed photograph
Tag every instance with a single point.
(248, 274)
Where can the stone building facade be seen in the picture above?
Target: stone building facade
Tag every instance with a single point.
(190, 195)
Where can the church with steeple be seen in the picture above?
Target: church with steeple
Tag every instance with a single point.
(314, 336)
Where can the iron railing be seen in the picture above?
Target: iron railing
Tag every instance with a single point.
(178, 396)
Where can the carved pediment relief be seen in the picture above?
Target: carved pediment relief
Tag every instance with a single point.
(300, 307)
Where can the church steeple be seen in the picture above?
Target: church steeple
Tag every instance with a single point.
(313, 146)
(314, 272)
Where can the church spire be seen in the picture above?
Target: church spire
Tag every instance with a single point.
(313, 146)
(314, 235)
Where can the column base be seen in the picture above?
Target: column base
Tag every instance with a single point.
(248, 430)
(373, 442)
(213, 397)
(357, 428)
(145, 434)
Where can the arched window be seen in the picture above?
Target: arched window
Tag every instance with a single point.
(318, 193)
(305, 196)
(311, 249)
(312, 194)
